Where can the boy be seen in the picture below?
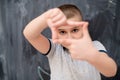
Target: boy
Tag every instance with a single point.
(71, 53)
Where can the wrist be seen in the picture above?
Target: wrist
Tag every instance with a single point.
(93, 54)
(43, 18)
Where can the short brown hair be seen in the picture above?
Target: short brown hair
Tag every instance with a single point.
(70, 10)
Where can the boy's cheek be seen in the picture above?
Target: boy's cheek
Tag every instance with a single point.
(60, 36)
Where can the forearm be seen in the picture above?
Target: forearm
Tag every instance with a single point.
(35, 27)
(104, 64)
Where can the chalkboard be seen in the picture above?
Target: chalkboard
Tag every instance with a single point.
(20, 61)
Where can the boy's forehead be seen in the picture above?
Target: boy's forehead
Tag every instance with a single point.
(75, 18)
(66, 27)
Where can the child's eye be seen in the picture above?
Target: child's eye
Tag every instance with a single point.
(75, 30)
(62, 32)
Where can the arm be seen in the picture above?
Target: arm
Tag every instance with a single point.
(83, 49)
(103, 63)
(52, 18)
(32, 32)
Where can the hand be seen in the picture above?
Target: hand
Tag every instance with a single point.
(56, 19)
(79, 48)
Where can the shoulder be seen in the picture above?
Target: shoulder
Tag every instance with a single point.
(54, 49)
(99, 45)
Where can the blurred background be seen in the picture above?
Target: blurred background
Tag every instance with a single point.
(20, 61)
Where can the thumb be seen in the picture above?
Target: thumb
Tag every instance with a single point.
(49, 22)
(85, 29)
(54, 34)
(53, 29)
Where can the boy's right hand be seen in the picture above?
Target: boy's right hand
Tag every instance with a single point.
(56, 19)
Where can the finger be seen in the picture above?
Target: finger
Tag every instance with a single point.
(54, 34)
(53, 29)
(55, 12)
(85, 29)
(57, 17)
(49, 22)
(61, 22)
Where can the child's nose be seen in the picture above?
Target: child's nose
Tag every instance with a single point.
(70, 36)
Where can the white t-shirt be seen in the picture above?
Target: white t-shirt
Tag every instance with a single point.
(63, 67)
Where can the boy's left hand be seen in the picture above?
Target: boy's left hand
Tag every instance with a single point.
(79, 48)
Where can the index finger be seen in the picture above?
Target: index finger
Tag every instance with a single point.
(76, 23)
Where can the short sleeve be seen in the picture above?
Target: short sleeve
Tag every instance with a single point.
(51, 49)
(99, 46)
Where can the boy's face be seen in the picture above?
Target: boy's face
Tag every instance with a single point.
(70, 32)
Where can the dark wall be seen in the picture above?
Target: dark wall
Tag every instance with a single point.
(20, 61)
